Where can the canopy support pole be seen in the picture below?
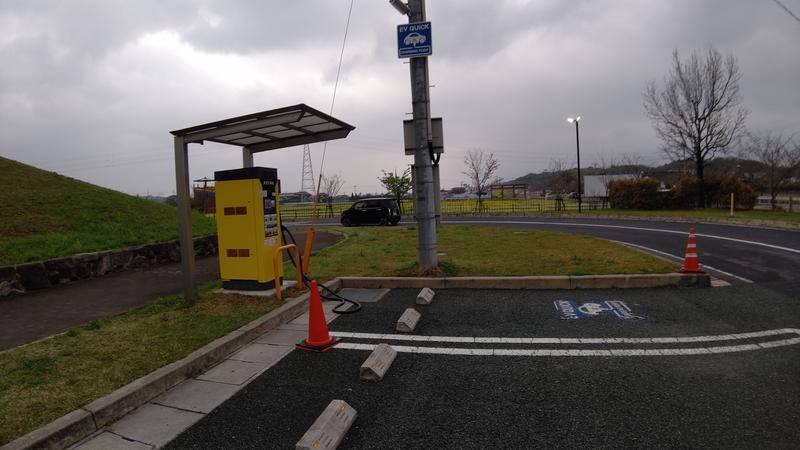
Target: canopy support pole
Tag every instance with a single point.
(185, 218)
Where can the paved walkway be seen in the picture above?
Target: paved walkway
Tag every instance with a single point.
(28, 317)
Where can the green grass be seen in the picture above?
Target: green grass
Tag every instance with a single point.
(42, 381)
(46, 215)
(725, 214)
(473, 251)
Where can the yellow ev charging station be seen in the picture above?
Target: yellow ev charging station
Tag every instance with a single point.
(248, 227)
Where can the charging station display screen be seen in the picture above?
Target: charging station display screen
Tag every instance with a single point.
(270, 211)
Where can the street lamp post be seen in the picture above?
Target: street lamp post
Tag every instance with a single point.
(578, 143)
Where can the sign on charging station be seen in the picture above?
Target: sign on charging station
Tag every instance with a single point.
(414, 40)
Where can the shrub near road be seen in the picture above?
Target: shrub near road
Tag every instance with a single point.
(645, 193)
(46, 215)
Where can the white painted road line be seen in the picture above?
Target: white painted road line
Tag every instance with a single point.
(680, 258)
(577, 352)
(624, 227)
(553, 340)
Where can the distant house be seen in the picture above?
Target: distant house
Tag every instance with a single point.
(597, 185)
(788, 203)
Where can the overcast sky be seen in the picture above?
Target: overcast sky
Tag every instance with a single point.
(91, 88)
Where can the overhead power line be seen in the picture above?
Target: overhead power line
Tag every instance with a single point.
(788, 11)
(336, 83)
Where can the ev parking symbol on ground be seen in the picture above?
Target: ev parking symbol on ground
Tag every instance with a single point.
(572, 310)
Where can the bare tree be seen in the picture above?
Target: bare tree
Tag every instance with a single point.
(560, 180)
(480, 169)
(697, 113)
(331, 187)
(631, 160)
(780, 156)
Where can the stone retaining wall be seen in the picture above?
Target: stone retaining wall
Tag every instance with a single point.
(44, 274)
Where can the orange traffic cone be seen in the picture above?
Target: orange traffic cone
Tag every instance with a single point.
(691, 263)
(319, 340)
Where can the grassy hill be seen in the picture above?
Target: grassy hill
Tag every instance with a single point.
(46, 215)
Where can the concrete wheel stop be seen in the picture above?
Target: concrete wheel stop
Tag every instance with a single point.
(328, 431)
(425, 296)
(408, 321)
(378, 363)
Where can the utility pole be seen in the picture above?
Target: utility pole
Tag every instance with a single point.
(420, 102)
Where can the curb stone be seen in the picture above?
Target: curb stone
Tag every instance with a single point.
(538, 282)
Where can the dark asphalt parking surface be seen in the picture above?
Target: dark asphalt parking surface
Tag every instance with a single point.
(733, 400)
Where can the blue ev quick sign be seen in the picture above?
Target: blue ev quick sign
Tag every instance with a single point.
(414, 39)
(571, 309)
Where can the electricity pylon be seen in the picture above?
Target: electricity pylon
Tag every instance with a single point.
(308, 175)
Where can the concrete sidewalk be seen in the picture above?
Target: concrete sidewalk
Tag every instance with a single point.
(34, 315)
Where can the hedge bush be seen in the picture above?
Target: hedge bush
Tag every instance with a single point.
(635, 194)
(718, 190)
(645, 194)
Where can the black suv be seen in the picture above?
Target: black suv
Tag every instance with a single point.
(381, 211)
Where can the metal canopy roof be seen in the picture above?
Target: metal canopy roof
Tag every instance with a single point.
(270, 130)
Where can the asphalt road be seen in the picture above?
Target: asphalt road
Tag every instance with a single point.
(739, 399)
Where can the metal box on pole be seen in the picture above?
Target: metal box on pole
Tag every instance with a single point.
(437, 136)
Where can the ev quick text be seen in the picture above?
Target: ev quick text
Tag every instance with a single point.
(424, 26)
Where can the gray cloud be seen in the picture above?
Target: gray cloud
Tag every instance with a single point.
(91, 88)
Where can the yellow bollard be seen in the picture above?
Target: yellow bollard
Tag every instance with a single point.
(732, 204)
(307, 252)
(276, 261)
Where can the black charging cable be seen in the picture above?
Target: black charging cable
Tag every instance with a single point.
(353, 306)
